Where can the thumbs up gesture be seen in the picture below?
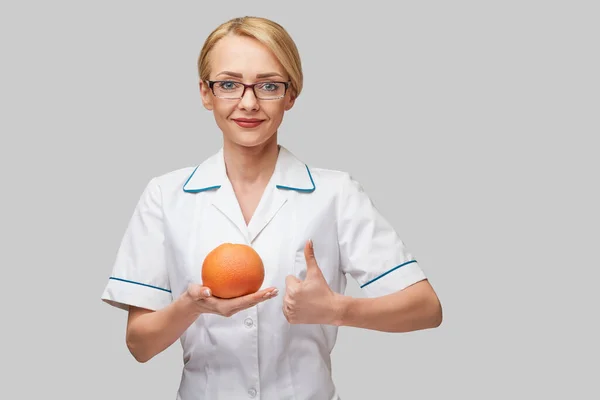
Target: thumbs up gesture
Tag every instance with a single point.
(311, 301)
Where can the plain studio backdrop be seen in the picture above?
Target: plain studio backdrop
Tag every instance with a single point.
(473, 126)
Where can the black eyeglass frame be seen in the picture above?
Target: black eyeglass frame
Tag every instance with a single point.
(211, 85)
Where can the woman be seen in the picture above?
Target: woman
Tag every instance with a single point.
(311, 226)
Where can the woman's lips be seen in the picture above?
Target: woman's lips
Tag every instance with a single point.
(248, 122)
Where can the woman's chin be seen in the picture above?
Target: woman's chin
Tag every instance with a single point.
(248, 139)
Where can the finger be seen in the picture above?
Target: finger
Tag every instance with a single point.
(312, 268)
(229, 307)
(292, 282)
(264, 294)
(292, 286)
(252, 299)
(286, 313)
(198, 292)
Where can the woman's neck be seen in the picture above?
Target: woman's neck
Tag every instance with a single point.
(250, 165)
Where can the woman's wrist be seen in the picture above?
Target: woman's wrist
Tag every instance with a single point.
(189, 306)
(340, 305)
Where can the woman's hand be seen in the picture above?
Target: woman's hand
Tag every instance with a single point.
(207, 303)
(311, 301)
(150, 332)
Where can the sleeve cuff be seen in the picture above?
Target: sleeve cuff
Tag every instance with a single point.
(393, 280)
(122, 293)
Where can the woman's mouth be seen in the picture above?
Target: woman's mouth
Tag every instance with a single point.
(248, 122)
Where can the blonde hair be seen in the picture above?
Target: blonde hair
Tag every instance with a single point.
(267, 32)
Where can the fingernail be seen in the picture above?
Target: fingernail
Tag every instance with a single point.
(275, 292)
(207, 292)
(310, 243)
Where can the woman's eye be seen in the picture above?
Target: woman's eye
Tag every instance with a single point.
(227, 85)
(269, 87)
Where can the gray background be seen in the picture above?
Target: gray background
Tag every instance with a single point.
(473, 126)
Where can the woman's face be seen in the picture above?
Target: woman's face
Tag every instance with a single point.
(243, 59)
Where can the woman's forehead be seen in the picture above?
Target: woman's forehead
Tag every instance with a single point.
(244, 57)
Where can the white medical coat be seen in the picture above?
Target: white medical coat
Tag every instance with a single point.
(256, 353)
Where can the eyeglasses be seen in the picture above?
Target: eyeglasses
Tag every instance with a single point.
(236, 90)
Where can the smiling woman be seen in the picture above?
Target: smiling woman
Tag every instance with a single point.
(237, 63)
(311, 227)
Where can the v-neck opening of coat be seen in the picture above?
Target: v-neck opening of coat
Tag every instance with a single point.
(269, 204)
(271, 200)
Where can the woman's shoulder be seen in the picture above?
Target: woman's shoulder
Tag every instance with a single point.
(329, 180)
(338, 184)
(329, 177)
(175, 178)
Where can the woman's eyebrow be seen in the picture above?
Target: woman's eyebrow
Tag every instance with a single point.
(238, 75)
(269, 75)
(235, 74)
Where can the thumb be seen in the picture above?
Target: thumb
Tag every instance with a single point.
(312, 268)
(198, 292)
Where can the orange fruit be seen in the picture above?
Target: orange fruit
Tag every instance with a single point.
(232, 270)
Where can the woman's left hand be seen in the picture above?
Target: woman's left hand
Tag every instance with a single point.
(311, 301)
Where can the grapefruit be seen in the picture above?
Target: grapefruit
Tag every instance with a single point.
(232, 270)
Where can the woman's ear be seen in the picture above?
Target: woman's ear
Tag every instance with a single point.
(290, 102)
(205, 93)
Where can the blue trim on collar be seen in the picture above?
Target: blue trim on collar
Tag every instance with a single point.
(197, 190)
(298, 189)
(385, 273)
(309, 190)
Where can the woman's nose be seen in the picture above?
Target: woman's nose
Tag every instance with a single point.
(249, 100)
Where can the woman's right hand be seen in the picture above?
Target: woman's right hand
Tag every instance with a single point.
(207, 303)
(150, 332)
